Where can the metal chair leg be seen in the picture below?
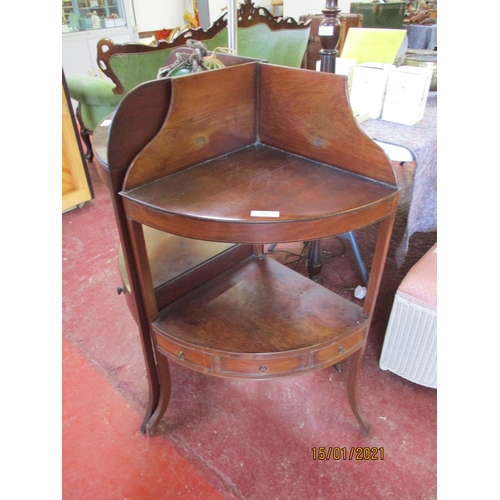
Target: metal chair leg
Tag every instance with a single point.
(355, 248)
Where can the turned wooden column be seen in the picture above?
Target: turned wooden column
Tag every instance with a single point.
(329, 35)
(315, 260)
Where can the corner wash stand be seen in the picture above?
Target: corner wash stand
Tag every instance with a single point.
(205, 169)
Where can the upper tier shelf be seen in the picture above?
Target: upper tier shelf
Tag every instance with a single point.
(222, 149)
(259, 194)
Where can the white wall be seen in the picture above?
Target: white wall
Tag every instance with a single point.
(216, 7)
(154, 14)
(297, 8)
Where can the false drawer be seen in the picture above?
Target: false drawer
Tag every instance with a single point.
(338, 350)
(186, 355)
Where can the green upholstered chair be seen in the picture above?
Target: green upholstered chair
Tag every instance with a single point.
(260, 36)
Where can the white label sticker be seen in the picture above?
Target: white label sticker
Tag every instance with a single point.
(264, 213)
(325, 31)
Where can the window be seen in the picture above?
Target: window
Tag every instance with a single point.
(83, 15)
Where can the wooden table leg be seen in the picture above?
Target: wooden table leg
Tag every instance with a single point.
(166, 390)
(352, 391)
(315, 259)
(147, 311)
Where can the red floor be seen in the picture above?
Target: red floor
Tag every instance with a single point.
(105, 455)
(223, 438)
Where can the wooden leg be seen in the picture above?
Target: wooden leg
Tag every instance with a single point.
(258, 249)
(154, 384)
(352, 391)
(165, 392)
(145, 311)
(85, 134)
(315, 260)
(378, 262)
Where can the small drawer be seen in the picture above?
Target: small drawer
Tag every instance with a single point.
(261, 368)
(339, 350)
(186, 355)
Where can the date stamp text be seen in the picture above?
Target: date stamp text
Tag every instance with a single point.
(344, 453)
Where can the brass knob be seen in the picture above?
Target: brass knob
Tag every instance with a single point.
(180, 355)
(263, 368)
(341, 349)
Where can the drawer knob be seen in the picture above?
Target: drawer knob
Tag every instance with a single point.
(263, 368)
(180, 355)
(341, 349)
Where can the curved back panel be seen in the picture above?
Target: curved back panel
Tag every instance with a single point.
(211, 113)
(324, 128)
(216, 112)
(136, 121)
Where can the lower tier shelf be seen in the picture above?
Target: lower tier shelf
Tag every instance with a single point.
(260, 319)
(183, 255)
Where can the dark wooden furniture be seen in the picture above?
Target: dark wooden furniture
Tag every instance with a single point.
(203, 170)
(314, 44)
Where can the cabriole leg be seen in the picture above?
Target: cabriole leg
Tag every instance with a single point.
(85, 134)
(165, 392)
(352, 391)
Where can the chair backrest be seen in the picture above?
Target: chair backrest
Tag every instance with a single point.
(380, 15)
(260, 36)
(285, 47)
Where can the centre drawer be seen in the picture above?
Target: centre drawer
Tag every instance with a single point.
(262, 367)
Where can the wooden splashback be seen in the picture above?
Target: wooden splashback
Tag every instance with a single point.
(308, 113)
(211, 114)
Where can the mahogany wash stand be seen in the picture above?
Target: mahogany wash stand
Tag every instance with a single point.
(205, 169)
